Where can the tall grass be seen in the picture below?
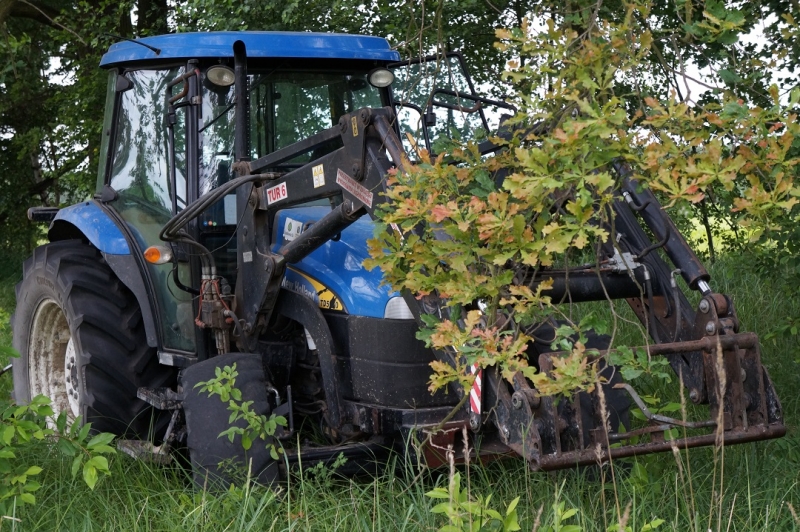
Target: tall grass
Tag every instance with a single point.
(759, 484)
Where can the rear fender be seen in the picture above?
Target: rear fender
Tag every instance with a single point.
(90, 221)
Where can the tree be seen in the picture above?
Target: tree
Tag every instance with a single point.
(52, 101)
(596, 88)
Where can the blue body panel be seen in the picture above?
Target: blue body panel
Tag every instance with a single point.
(338, 265)
(98, 227)
(259, 44)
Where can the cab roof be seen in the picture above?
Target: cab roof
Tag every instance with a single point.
(259, 44)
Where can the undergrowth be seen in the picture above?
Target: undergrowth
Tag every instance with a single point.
(758, 490)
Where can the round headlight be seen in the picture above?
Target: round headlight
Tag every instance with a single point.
(380, 77)
(220, 75)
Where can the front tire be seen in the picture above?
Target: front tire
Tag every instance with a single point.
(82, 343)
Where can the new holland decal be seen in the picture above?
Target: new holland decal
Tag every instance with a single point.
(304, 285)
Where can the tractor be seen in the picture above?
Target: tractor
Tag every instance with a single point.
(239, 175)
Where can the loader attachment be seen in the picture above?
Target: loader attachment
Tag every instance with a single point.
(641, 263)
(742, 407)
(725, 393)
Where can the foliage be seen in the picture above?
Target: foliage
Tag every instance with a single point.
(634, 363)
(323, 474)
(253, 426)
(22, 425)
(585, 119)
(471, 515)
(759, 478)
(560, 518)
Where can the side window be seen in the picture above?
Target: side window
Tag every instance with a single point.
(105, 140)
(140, 166)
(140, 175)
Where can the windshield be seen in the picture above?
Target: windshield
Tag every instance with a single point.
(285, 107)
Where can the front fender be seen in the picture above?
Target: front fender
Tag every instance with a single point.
(88, 220)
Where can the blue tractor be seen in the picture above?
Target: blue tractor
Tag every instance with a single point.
(238, 175)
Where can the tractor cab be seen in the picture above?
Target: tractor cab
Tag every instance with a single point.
(170, 135)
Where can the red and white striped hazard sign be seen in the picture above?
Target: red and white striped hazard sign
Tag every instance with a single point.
(475, 393)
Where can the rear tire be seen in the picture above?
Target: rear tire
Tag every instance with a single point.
(82, 343)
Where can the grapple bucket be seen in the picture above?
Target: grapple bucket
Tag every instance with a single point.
(742, 407)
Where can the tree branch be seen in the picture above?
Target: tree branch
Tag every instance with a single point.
(31, 10)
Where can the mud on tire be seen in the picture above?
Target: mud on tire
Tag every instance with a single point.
(81, 340)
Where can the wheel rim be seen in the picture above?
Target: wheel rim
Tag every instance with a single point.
(52, 371)
(71, 380)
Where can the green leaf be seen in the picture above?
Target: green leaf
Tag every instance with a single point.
(27, 498)
(90, 475)
(441, 508)
(66, 447)
(84, 432)
(33, 470)
(729, 76)
(104, 438)
(512, 506)
(61, 422)
(652, 525)
(569, 513)
(76, 465)
(8, 434)
(100, 463)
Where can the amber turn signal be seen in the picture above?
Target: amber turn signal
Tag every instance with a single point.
(158, 254)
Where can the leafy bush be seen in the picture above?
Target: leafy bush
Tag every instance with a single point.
(24, 425)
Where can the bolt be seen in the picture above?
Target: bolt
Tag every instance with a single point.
(704, 306)
(744, 375)
(694, 395)
(365, 116)
(342, 124)
(516, 400)
(506, 433)
(710, 328)
(474, 422)
(356, 170)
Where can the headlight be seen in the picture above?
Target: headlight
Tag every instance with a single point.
(380, 77)
(220, 75)
(397, 309)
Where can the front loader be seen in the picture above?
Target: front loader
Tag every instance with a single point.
(239, 174)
